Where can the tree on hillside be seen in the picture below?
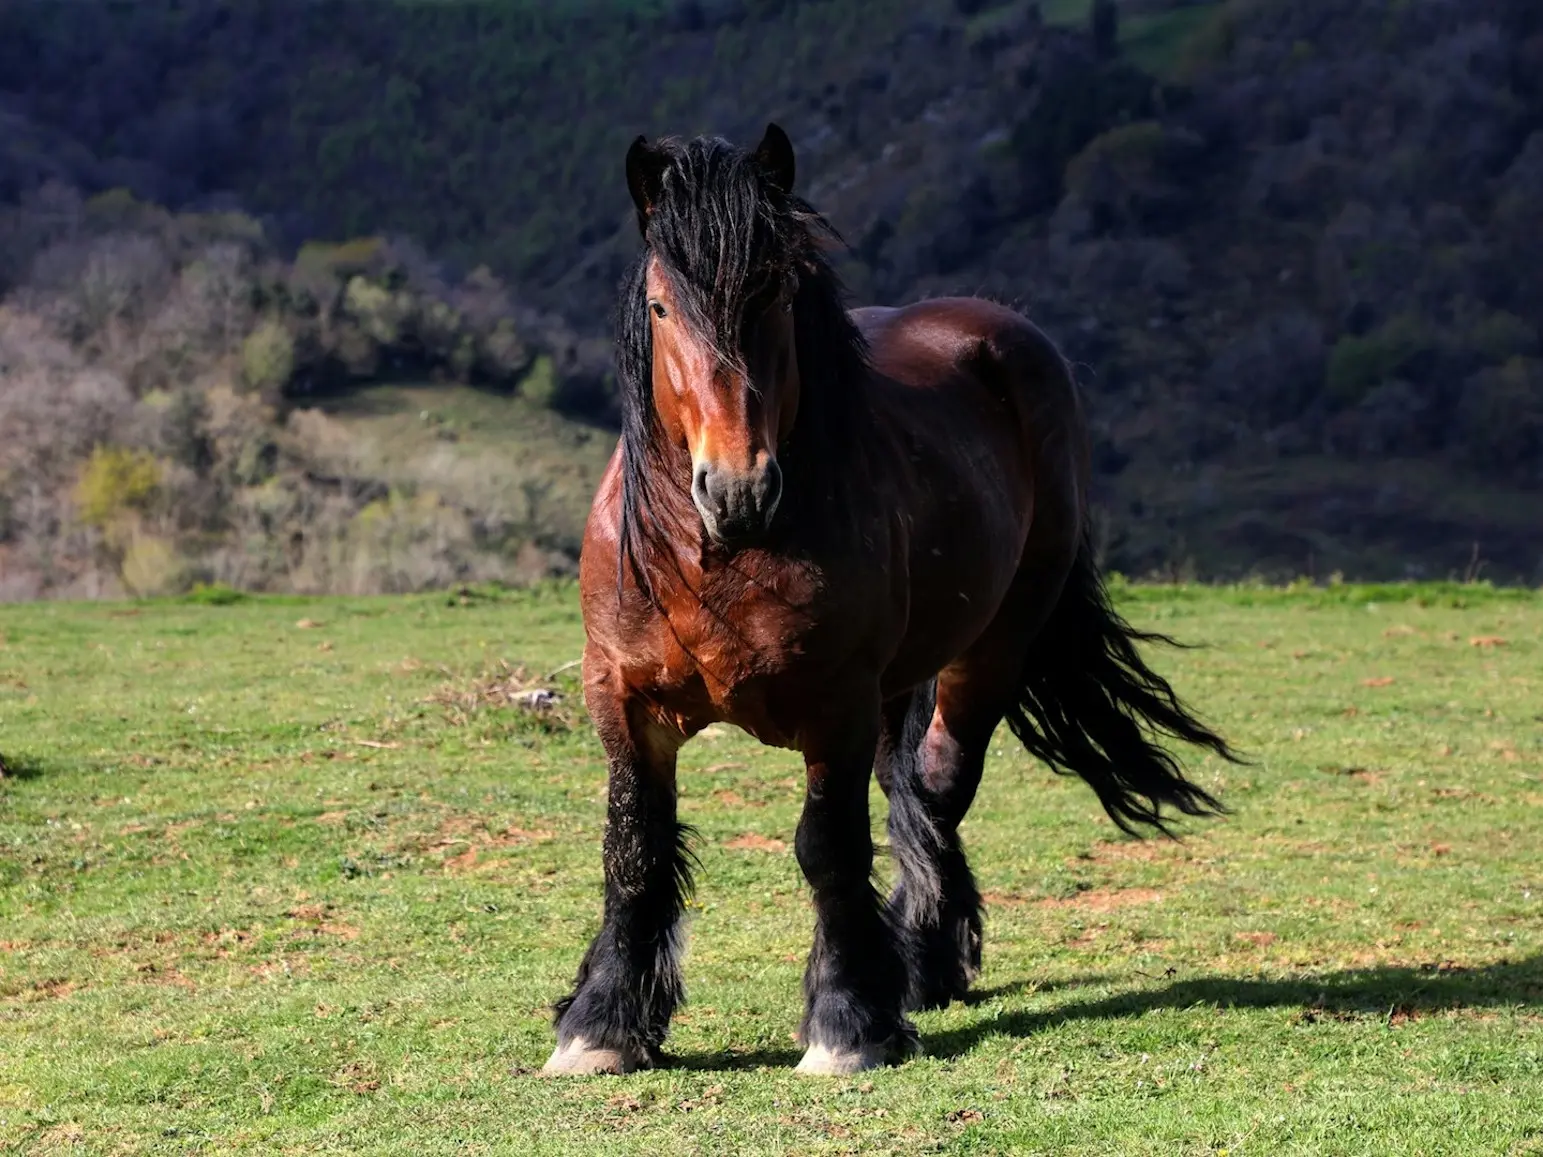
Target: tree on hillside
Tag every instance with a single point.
(1105, 21)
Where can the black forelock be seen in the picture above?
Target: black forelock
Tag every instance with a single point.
(722, 232)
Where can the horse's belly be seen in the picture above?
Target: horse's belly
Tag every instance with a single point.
(939, 632)
(962, 567)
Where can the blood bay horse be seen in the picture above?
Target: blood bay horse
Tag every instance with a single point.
(859, 535)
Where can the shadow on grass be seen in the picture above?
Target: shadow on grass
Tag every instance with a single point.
(1389, 994)
(1401, 993)
(735, 1060)
(18, 767)
(1014, 987)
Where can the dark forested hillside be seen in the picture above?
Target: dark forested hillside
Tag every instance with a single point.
(1294, 246)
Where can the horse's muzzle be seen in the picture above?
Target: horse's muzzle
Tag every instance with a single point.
(736, 505)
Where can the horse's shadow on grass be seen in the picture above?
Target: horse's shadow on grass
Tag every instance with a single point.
(1352, 995)
(1355, 994)
(735, 1060)
(18, 767)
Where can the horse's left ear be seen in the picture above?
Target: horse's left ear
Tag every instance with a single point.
(775, 156)
(645, 178)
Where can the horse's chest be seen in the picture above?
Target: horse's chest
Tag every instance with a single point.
(734, 642)
(731, 653)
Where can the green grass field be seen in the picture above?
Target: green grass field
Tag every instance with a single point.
(288, 876)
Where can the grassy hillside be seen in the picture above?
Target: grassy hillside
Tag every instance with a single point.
(478, 452)
(291, 874)
(185, 406)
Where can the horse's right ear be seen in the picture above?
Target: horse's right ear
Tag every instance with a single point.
(775, 156)
(645, 178)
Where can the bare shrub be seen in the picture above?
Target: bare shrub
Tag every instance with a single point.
(402, 543)
(53, 410)
(100, 284)
(217, 289)
(151, 564)
(327, 448)
(243, 437)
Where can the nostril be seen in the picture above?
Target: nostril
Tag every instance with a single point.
(712, 498)
(771, 487)
(736, 504)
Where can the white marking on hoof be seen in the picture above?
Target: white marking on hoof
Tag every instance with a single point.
(578, 1058)
(826, 1062)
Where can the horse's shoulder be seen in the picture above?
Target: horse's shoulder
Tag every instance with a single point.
(603, 524)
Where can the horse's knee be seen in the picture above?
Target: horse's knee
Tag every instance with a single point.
(831, 855)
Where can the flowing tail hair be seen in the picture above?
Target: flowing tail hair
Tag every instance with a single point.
(1090, 706)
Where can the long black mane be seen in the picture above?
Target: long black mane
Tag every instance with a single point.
(724, 234)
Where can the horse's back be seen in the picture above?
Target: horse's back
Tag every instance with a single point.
(965, 368)
(932, 343)
(995, 456)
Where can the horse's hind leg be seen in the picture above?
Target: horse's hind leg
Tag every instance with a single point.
(935, 754)
(934, 768)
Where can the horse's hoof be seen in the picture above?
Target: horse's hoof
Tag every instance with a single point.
(825, 1062)
(821, 1061)
(578, 1058)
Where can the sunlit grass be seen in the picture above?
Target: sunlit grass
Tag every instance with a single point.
(275, 877)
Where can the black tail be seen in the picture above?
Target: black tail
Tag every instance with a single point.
(1090, 705)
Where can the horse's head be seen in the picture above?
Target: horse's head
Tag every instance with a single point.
(718, 284)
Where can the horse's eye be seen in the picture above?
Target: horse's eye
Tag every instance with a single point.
(658, 308)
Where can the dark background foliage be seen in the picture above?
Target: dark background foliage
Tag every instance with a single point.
(1293, 246)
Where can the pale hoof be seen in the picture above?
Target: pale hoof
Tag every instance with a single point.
(824, 1062)
(578, 1058)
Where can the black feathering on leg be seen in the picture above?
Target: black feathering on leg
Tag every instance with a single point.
(840, 1013)
(629, 982)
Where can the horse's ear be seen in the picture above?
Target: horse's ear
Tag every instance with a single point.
(645, 178)
(775, 156)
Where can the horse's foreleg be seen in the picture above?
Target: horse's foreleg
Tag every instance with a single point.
(629, 981)
(855, 982)
(935, 767)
